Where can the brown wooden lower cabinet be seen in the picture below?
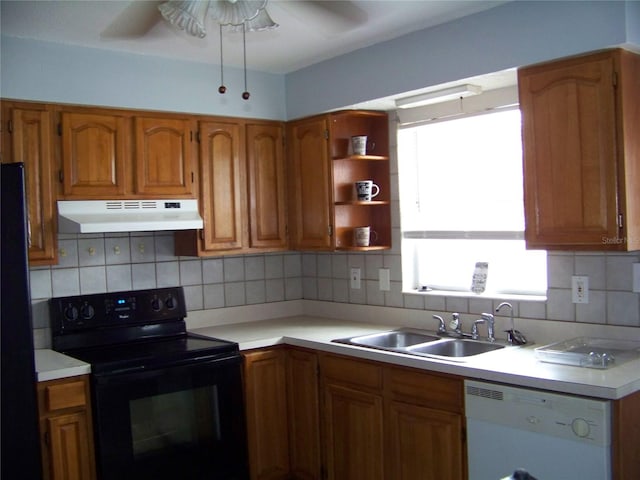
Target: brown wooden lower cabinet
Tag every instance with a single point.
(65, 429)
(315, 416)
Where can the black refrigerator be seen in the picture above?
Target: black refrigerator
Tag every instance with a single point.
(19, 408)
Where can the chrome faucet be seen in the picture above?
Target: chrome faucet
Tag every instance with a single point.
(441, 327)
(514, 337)
(474, 328)
(488, 317)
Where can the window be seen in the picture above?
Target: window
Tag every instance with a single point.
(461, 202)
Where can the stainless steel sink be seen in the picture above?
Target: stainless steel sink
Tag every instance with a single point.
(454, 348)
(422, 343)
(393, 340)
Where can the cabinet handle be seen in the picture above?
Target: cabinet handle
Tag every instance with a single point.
(47, 438)
(60, 176)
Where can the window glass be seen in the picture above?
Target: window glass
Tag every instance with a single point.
(461, 202)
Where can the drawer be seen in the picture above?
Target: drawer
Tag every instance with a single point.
(418, 387)
(354, 372)
(61, 394)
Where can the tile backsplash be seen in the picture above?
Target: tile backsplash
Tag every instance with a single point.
(101, 263)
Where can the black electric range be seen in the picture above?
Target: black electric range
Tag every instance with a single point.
(166, 403)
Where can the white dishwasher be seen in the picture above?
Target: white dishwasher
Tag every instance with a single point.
(552, 436)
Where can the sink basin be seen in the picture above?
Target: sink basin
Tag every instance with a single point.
(455, 348)
(394, 340)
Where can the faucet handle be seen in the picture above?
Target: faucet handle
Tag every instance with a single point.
(441, 326)
(455, 322)
(474, 328)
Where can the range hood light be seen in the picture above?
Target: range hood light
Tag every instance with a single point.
(438, 96)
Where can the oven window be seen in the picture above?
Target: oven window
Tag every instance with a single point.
(174, 420)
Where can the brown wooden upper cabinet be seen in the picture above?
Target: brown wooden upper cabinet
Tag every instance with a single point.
(581, 118)
(111, 154)
(323, 170)
(95, 152)
(164, 161)
(27, 137)
(242, 191)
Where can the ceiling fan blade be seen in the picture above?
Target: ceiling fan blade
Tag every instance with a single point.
(336, 15)
(135, 21)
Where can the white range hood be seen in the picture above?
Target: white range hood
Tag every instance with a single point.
(101, 216)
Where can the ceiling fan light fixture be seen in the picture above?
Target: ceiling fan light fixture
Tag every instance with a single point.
(187, 15)
(437, 96)
(235, 13)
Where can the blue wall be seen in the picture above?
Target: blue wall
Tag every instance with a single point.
(514, 34)
(511, 35)
(35, 70)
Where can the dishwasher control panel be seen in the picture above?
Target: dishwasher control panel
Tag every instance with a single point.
(559, 415)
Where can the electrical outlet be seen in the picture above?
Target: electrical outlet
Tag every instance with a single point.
(636, 277)
(580, 289)
(355, 278)
(384, 279)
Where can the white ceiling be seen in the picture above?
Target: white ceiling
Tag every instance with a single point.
(309, 31)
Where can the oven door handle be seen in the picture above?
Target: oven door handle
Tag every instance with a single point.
(125, 375)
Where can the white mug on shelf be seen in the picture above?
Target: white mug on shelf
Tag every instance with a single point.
(362, 236)
(366, 190)
(359, 144)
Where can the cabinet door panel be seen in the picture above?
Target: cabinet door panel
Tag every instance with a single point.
(69, 447)
(223, 186)
(310, 175)
(570, 165)
(424, 444)
(164, 161)
(354, 434)
(94, 155)
(304, 408)
(31, 144)
(265, 170)
(266, 399)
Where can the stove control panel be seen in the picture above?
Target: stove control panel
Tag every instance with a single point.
(116, 309)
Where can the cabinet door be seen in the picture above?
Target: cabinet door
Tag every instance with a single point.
(223, 189)
(28, 139)
(68, 439)
(424, 444)
(95, 151)
(309, 184)
(266, 181)
(164, 162)
(304, 422)
(266, 400)
(354, 433)
(570, 169)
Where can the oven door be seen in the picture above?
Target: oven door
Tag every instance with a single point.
(173, 422)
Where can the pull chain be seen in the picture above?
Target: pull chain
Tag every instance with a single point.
(245, 94)
(221, 89)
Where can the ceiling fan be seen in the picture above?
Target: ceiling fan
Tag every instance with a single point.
(191, 16)
(140, 16)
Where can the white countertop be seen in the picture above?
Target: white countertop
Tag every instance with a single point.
(52, 365)
(516, 366)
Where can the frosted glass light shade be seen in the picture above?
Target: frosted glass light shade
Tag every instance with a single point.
(187, 15)
(237, 12)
